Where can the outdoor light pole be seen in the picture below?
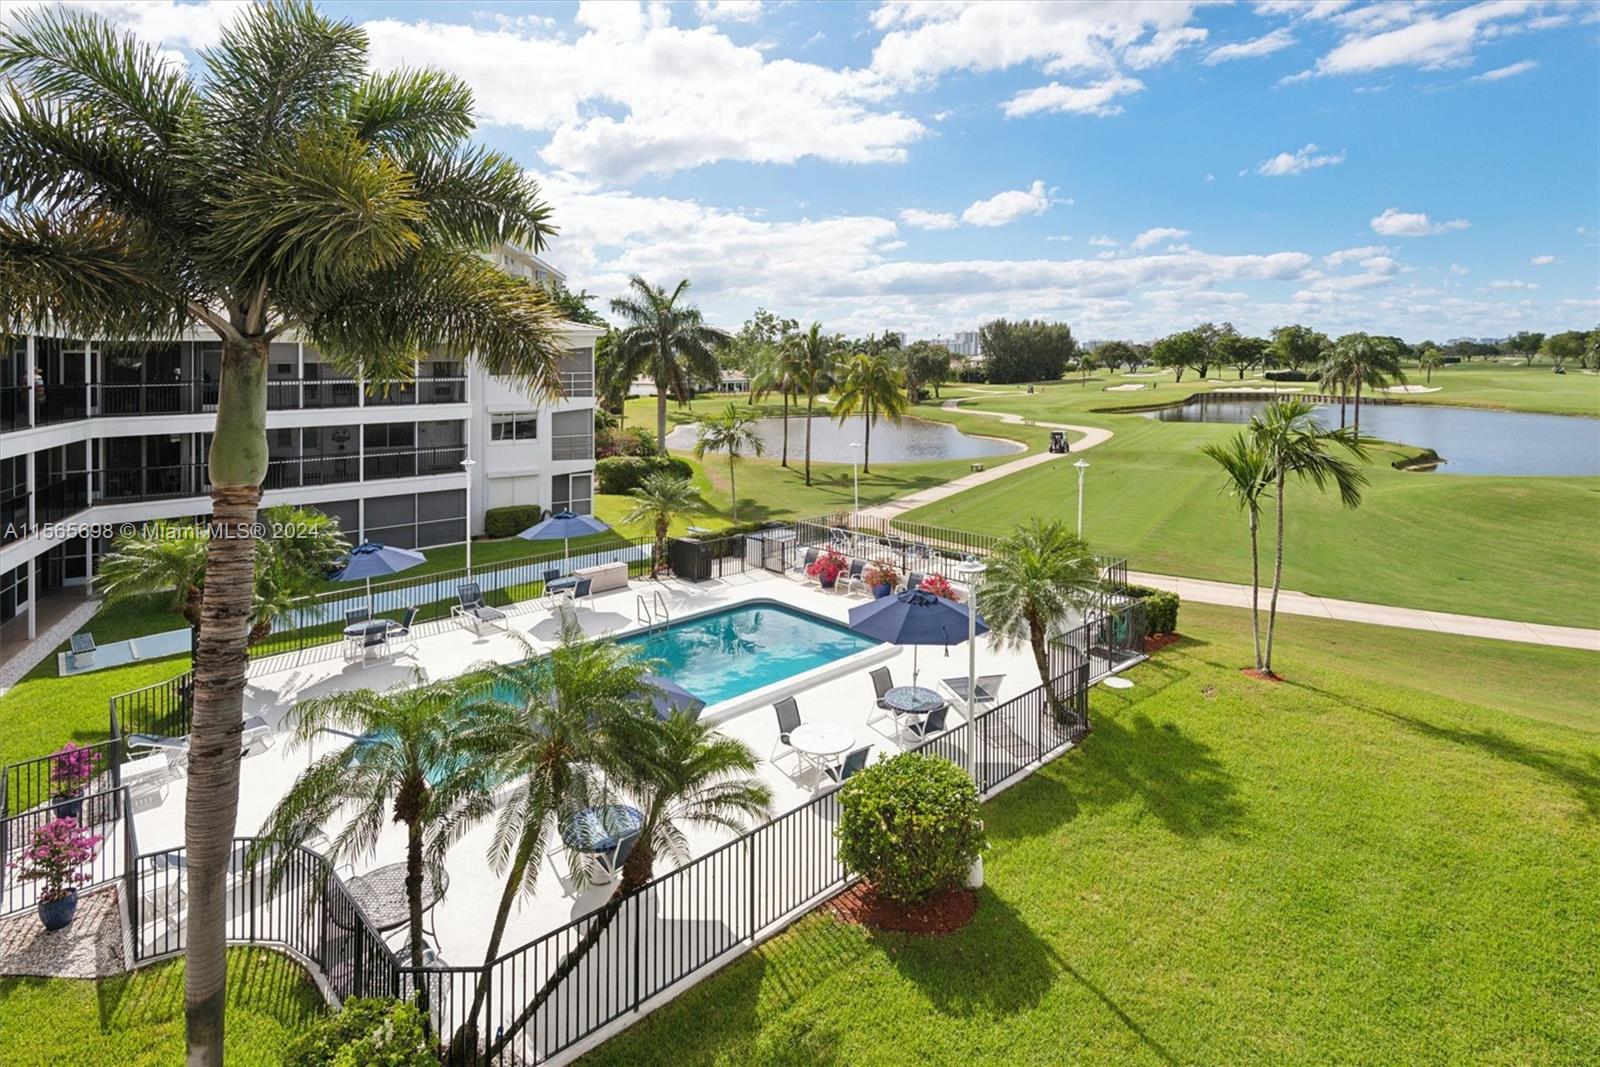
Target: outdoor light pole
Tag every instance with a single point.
(970, 571)
(855, 477)
(467, 465)
(1082, 466)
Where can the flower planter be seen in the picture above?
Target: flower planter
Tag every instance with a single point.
(57, 914)
(827, 583)
(880, 591)
(68, 808)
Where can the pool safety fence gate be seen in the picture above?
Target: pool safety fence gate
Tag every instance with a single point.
(707, 559)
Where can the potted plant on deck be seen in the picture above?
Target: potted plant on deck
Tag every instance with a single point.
(71, 770)
(939, 586)
(57, 855)
(827, 567)
(882, 577)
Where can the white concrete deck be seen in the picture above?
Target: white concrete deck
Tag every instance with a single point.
(445, 649)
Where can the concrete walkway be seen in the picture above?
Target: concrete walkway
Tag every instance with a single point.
(1296, 603)
(1091, 436)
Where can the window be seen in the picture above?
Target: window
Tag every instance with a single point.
(521, 426)
(572, 492)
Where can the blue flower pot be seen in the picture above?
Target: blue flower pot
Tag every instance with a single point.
(57, 914)
(69, 808)
(880, 590)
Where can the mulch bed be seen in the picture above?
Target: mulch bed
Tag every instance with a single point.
(1261, 676)
(943, 913)
(1154, 643)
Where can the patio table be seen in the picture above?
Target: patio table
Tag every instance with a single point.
(362, 629)
(913, 699)
(821, 743)
(382, 894)
(602, 831)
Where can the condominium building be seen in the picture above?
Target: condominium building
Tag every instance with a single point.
(97, 435)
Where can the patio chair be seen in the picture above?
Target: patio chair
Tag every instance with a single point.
(882, 682)
(402, 629)
(374, 647)
(548, 596)
(611, 862)
(472, 611)
(257, 732)
(854, 761)
(855, 576)
(357, 615)
(788, 712)
(988, 689)
(83, 647)
(913, 580)
(805, 564)
(933, 724)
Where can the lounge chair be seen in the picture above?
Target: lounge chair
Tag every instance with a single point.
(788, 712)
(83, 647)
(854, 762)
(988, 689)
(256, 733)
(882, 682)
(933, 724)
(805, 566)
(474, 612)
(855, 576)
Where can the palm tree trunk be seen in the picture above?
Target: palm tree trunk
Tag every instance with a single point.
(785, 461)
(811, 400)
(414, 901)
(866, 446)
(464, 1043)
(1255, 581)
(733, 490)
(661, 546)
(661, 416)
(1358, 407)
(238, 465)
(1277, 579)
(1344, 391)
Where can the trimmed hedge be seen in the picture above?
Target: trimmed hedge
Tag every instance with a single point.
(1160, 607)
(910, 826)
(634, 441)
(365, 1032)
(1289, 376)
(618, 474)
(511, 520)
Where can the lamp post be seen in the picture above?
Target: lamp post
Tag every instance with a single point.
(970, 571)
(855, 477)
(467, 465)
(1082, 466)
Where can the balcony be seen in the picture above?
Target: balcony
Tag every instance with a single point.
(13, 514)
(67, 403)
(296, 472)
(572, 446)
(413, 463)
(577, 383)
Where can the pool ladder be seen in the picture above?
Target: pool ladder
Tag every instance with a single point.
(648, 618)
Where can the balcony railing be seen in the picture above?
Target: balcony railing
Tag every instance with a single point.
(13, 408)
(577, 383)
(572, 446)
(61, 497)
(414, 463)
(126, 485)
(66, 403)
(13, 514)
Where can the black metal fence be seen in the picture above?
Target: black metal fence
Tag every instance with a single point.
(31, 783)
(107, 814)
(163, 709)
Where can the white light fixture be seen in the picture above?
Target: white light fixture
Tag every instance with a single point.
(970, 571)
(467, 465)
(1082, 466)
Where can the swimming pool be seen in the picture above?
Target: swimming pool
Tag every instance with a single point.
(728, 653)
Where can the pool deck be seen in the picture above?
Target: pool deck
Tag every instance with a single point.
(841, 695)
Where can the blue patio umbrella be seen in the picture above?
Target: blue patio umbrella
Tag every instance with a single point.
(371, 560)
(669, 697)
(563, 526)
(914, 618)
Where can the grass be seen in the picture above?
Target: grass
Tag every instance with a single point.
(137, 1018)
(1393, 857)
(1461, 544)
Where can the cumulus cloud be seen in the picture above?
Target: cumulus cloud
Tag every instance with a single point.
(1009, 206)
(1307, 158)
(1155, 234)
(1427, 39)
(1335, 260)
(1542, 261)
(1093, 99)
(1265, 45)
(1396, 223)
(728, 10)
(928, 220)
(1511, 283)
(1104, 242)
(1502, 73)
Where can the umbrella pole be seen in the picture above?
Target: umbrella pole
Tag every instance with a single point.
(369, 596)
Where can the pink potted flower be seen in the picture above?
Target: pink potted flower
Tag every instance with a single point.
(71, 770)
(882, 578)
(940, 586)
(57, 855)
(828, 566)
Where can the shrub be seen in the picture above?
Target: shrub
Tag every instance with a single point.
(57, 855)
(1289, 376)
(619, 474)
(71, 769)
(1160, 607)
(909, 825)
(511, 520)
(882, 572)
(366, 1031)
(827, 567)
(637, 441)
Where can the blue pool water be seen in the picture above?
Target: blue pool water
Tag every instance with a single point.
(729, 653)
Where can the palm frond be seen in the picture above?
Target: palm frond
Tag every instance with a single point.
(478, 198)
(411, 112)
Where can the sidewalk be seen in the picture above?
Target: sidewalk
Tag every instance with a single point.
(1295, 603)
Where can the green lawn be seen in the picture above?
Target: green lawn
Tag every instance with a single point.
(1510, 547)
(1394, 857)
(137, 1018)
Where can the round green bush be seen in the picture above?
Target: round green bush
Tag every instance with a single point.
(365, 1032)
(909, 825)
(618, 474)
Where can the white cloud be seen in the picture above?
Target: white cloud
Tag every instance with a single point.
(892, 246)
(1335, 260)
(1396, 223)
(1425, 40)
(1093, 99)
(1285, 163)
(1104, 242)
(166, 22)
(1511, 283)
(1264, 45)
(729, 10)
(1062, 237)
(1456, 268)
(1009, 206)
(1542, 261)
(1501, 73)
(1155, 234)
(928, 220)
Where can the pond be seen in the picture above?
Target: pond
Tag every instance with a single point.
(913, 441)
(1470, 440)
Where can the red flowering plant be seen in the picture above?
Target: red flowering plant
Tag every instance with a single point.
(938, 585)
(71, 768)
(882, 572)
(59, 852)
(827, 567)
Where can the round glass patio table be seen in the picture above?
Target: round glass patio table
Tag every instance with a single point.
(913, 699)
(362, 629)
(601, 829)
(382, 894)
(821, 740)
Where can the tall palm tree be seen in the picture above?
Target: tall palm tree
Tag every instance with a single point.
(1292, 441)
(871, 384)
(1245, 469)
(666, 340)
(678, 772)
(777, 372)
(1429, 361)
(813, 353)
(1368, 360)
(735, 433)
(290, 190)
(404, 765)
(660, 498)
(1037, 576)
(162, 557)
(1336, 371)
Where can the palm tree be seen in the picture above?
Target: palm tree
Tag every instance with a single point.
(1244, 467)
(678, 771)
(1292, 441)
(164, 556)
(735, 433)
(1429, 361)
(1336, 371)
(1368, 360)
(667, 341)
(1037, 576)
(403, 766)
(871, 384)
(660, 498)
(290, 190)
(777, 372)
(813, 354)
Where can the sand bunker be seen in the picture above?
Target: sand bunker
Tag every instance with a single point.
(1412, 388)
(1261, 389)
(1131, 386)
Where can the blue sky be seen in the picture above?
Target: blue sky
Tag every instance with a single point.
(1429, 169)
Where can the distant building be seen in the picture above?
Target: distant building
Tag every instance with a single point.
(963, 343)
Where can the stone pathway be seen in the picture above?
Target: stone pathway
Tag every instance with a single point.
(44, 646)
(92, 947)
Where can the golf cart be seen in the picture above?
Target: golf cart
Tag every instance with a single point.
(1058, 442)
